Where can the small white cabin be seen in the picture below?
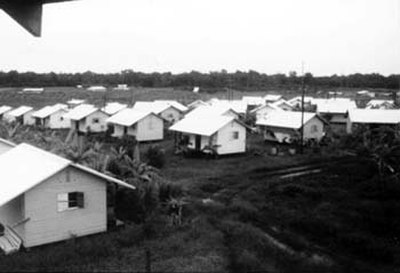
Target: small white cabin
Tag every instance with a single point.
(21, 115)
(220, 134)
(3, 110)
(263, 111)
(52, 117)
(86, 118)
(49, 198)
(286, 126)
(144, 126)
(168, 111)
(372, 118)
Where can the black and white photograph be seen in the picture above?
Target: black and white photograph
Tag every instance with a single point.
(200, 136)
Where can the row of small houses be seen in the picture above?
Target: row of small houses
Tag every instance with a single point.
(215, 125)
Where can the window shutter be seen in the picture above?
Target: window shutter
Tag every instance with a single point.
(80, 200)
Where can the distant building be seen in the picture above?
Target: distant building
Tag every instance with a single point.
(46, 198)
(170, 111)
(21, 115)
(98, 88)
(286, 126)
(270, 98)
(86, 118)
(219, 134)
(144, 126)
(3, 110)
(264, 111)
(74, 102)
(33, 90)
(122, 87)
(380, 104)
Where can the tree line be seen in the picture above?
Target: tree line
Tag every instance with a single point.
(249, 80)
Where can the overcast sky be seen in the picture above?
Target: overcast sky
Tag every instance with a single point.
(269, 36)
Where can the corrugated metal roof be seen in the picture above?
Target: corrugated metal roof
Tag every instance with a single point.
(4, 109)
(337, 106)
(253, 100)
(113, 108)
(128, 117)
(210, 111)
(81, 111)
(173, 103)
(22, 110)
(380, 116)
(34, 166)
(48, 110)
(285, 119)
(238, 106)
(201, 125)
(270, 97)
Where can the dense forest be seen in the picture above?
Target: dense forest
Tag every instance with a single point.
(250, 80)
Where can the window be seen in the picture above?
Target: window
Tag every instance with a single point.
(314, 128)
(61, 118)
(235, 135)
(96, 120)
(69, 201)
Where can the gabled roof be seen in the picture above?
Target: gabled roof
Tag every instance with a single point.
(8, 143)
(81, 111)
(201, 125)
(128, 117)
(286, 119)
(48, 110)
(335, 106)
(173, 103)
(279, 102)
(270, 97)
(298, 98)
(377, 116)
(378, 103)
(34, 167)
(75, 101)
(22, 110)
(272, 106)
(253, 100)
(196, 103)
(4, 109)
(113, 108)
(210, 111)
(238, 106)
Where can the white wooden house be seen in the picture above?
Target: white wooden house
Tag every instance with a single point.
(195, 104)
(211, 111)
(334, 111)
(219, 134)
(49, 198)
(263, 111)
(286, 126)
(86, 118)
(112, 108)
(3, 110)
(170, 113)
(52, 117)
(372, 118)
(21, 115)
(271, 98)
(145, 126)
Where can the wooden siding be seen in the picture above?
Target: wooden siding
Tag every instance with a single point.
(150, 128)
(47, 225)
(87, 122)
(57, 121)
(228, 145)
(171, 114)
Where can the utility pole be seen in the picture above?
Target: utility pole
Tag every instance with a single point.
(302, 110)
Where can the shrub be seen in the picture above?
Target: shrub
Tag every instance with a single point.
(155, 156)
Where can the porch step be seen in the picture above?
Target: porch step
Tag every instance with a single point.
(10, 242)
